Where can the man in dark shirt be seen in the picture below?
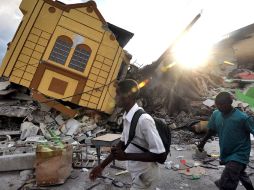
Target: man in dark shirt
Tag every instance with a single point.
(233, 128)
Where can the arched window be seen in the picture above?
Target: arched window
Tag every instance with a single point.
(61, 49)
(80, 57)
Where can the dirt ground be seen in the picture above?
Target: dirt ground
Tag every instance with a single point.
(169, 179)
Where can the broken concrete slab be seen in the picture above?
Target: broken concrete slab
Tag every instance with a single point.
(7, 92)
(16, 111)
(59, 119)
(237, 103)
(86, 128)
(209, 102)
(80, 138)
(21, 96)
(173, 126)
(72, 127)
(10, 133)
(67, 140)
(4, 85)
(25, 174)
(44, 131)
(28, 129)
(37, 138)
(7, 102)
(17, 162)
(49, 119)
(44, 107)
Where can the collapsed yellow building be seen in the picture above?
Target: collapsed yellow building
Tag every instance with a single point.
(67, 52)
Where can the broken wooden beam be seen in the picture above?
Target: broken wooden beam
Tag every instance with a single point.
(54, 104)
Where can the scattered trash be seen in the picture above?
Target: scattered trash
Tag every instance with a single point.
(195, 172)
(85, 170)
(168, 165)
(179, 148)
(121, 173)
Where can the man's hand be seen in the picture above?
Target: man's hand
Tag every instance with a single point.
(96, 172)
(118, 153)
(200, 146)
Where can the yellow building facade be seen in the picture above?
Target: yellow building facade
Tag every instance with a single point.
(67, 52)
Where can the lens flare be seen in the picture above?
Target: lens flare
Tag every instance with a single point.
(143, 83)
(192, 52)
(229, 63)
(167, 67)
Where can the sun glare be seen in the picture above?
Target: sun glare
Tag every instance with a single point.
(192, 52)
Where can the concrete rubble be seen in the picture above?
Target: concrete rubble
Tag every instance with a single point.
(26, 124)
(186, 102)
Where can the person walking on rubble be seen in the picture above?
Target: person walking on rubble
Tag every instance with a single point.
(142, 165)
(233, 128)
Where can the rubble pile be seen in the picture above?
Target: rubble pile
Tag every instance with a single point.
(172, 91)
(25, 124)
(185, 98)
(35, 137)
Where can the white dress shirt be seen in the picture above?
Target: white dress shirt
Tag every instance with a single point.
(146, 135)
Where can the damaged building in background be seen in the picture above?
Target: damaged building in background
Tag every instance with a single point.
(237, 46)
(68, 53)
(231, 58)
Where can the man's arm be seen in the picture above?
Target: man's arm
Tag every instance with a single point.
(208, 135)
(143, 157)
(96, 171)
(211, 131)
(249, 124)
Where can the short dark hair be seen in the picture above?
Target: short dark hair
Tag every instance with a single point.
(224, 98)
(129, 87)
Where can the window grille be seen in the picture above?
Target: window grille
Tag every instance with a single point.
(61, 49)
(80, 57)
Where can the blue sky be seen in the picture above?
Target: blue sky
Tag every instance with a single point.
(154, 23)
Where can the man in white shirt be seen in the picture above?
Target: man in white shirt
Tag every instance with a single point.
(142, 165)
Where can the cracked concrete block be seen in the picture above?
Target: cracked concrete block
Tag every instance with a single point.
(17, 162)
(72, 126)
(45, 108)
(49, 119)
(80, 138)
(59, 120)
(44, 131)
(25, 175)
(67, 139)
(37, 138)
(4, 85)
(28, 129)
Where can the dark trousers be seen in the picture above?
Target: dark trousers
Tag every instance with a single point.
(232, 174)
